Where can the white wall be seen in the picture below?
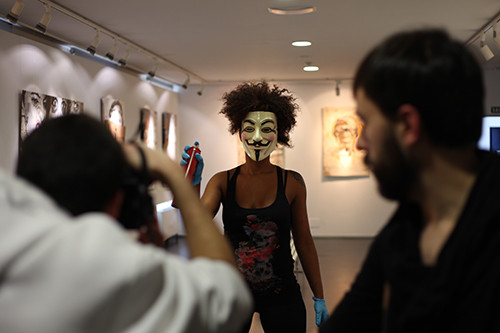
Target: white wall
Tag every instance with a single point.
(350, 207)
(28, 65)
(492, 82)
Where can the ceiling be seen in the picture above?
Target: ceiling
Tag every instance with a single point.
(237, 40)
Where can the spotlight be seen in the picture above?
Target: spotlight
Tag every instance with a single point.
(291, 10)
(185, 84)
(152, 72)
(45, 20)
(123, 61)
(485, 50)
(16, 10)
(310, 68)
(496, 36)
(200, 92)
(111, 53)
(93, 47)
(301, 43)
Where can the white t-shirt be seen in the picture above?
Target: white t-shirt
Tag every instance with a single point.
(64, 274)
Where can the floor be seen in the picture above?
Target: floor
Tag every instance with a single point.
(339, 258)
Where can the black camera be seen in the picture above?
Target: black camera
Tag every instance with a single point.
(137, 209)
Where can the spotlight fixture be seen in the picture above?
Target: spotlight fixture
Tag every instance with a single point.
(123, 61)
(93, 47)
(159, 82)
(185, 84)
(200, 92)
(16, 10)
(310, 68)
(496, 36)
(291, 10)
(485, 49)
(45, 20)
(152, 72)
(337, 89)
(111, 53)
(301, 43)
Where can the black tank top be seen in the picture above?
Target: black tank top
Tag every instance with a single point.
(261, 241)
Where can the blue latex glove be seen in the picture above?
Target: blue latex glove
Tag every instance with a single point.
(321, 311)
(199, 167)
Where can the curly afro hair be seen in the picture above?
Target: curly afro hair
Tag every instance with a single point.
(250, 96)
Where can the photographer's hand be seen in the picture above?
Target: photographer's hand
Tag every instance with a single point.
(203, 237)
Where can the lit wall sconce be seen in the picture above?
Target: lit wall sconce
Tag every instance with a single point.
(15, 11)
(45, 20)
(485, 49)
(185, 84)
(200, 92)
(93, 47)
(123, 61)
(111, 53)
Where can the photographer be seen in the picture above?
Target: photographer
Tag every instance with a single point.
(82, 273)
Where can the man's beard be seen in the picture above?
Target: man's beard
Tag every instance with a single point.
(395, 172)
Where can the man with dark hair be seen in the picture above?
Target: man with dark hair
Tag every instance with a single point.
(83, 273)
(84, 170)
(66, 158)
(434, 267)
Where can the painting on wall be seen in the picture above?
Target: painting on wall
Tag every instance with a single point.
(277, 157)
(148, 127)
(36, 107)
(112, 111)
(341, 130)
(168, 133)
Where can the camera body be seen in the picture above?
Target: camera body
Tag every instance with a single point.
(137, 209)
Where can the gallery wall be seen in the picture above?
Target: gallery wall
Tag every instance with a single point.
(340, 207)
(344, 207)
(28, 65)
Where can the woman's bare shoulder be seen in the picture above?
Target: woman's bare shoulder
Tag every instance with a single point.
(296, 177)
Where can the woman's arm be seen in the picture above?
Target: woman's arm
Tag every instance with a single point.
(302, 234)
(212, 197)
(203, 237)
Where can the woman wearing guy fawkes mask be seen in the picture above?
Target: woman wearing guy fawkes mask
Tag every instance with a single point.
(262, 203)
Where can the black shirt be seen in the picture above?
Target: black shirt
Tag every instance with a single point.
(460, 293)
(261, 239)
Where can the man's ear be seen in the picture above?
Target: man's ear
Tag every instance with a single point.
(409, 125)
(114, 206)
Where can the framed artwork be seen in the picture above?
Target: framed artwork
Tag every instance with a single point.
(341, 129)
(112, 111)
(168, 126)
(277, 157)
(148, 127)
(36, 107)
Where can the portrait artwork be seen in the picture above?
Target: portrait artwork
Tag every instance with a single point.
(168, 125)
(112, 111)
(148, 127)
(36, 107)
(341, 130)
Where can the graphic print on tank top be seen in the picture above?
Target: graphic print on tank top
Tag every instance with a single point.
(255, 256)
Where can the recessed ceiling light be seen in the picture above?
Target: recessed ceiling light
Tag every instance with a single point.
(310, 68)
(291, 10)
(301, 43)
